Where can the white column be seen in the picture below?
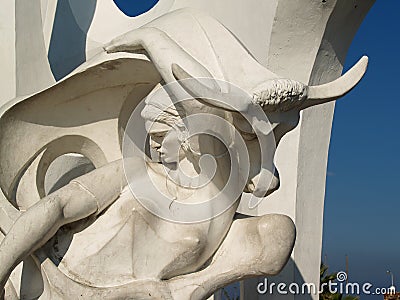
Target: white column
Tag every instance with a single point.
(32, 67)
(7, 51)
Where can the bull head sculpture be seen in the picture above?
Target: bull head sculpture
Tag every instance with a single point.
(280, 99)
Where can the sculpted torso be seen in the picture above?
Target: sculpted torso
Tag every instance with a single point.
(146, 245)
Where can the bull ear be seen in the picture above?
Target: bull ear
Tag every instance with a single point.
(213, 97)
(337, 88)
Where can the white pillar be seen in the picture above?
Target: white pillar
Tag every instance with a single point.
(7, 51)
(32, 67)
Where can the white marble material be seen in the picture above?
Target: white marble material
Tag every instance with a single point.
(91, 237)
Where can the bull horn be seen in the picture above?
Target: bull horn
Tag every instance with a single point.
(337, 88)
(302, 98)
(208, 96)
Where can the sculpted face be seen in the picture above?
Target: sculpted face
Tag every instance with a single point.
(164, 134)
(166, 144)
(156, 140)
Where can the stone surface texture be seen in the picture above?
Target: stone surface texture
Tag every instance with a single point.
(72, 74)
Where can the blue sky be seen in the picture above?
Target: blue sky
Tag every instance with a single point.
(362, 206)
(362, 202)
(134, 8)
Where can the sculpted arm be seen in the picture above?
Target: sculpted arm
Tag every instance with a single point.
(161, 49)
(84, 196)
(256, 246)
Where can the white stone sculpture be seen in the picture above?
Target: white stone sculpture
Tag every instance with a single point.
(91, 238)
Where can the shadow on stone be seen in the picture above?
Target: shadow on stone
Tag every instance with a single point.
(68, 40)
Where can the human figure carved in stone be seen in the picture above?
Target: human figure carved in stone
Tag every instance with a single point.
(130, 252)
(177, 249)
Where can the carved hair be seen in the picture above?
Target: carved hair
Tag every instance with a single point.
(280, 95)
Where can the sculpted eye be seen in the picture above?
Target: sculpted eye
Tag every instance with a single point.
(134, 8)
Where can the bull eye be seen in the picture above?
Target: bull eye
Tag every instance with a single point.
(134, 8)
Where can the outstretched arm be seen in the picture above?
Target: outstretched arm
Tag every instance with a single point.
(84, 196)
(162, 50)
